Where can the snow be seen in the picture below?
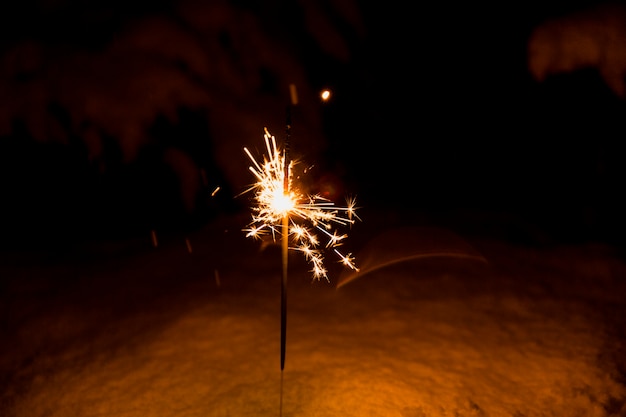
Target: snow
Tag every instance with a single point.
(126, 329)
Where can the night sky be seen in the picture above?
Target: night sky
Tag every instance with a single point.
(121, 117)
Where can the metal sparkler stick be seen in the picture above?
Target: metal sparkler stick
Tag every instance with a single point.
(285, 231)
(285, 244)
(285, 249)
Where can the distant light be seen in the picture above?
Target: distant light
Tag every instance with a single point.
(325, 95)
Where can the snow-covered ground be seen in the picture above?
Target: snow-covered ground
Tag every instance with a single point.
(462, 326)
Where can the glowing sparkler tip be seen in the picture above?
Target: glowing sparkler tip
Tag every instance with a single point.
(282, 203)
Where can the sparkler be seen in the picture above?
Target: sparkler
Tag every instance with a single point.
(283, 210)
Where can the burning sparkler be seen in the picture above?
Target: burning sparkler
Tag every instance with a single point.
(282, 209)
(312, 219)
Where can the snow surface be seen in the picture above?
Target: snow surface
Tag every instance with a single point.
(480, 328)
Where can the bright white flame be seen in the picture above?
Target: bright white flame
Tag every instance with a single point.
(281, 203)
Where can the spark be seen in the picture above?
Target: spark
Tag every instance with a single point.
(347, 260)
(312, 218)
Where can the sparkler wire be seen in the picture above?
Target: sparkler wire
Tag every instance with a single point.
(285, 247)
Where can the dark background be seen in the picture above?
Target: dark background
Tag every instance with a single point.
(434, 116)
